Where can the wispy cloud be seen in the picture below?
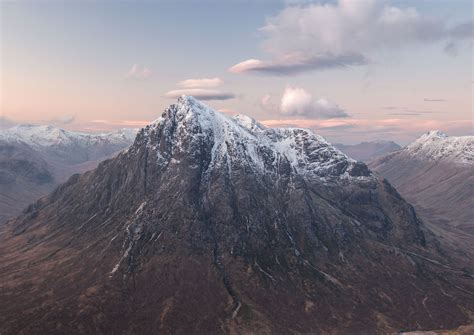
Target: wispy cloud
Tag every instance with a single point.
(295, 63)
(139, 72)
(405, 114)
(390, 107)
(61, 120)
(423, 111)
(403, 111)
(434, 100)
(320, 36)
(201, 83)
(202, 94)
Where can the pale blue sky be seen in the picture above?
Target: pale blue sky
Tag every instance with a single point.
(68, 58)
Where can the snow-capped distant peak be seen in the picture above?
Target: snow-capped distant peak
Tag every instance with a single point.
(50, 136)
(437, 146)
(432, 135)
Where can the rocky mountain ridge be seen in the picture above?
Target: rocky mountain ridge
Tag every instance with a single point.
(208, 224)
(437, 146)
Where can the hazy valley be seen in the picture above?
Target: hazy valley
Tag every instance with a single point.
(35, 159)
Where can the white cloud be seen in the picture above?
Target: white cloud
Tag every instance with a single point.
(201, 83)
(298, 102)
(318, 36)
(139, 72)
(201, 93)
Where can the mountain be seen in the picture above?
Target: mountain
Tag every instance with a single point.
(367, 151)
(24, 177)
(35, 159)
(436, 173)
(209, 224)
(66, 146)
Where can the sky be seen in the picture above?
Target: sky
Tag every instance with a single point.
(351, 70)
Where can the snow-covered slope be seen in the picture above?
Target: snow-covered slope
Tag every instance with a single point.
(437, 146)
(242, 141)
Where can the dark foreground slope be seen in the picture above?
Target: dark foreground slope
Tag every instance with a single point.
(214, 225)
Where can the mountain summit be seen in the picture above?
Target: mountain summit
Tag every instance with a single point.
(210, 224)
(437, 146)
(190, 126)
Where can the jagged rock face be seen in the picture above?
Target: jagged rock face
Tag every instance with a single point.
(208, 224)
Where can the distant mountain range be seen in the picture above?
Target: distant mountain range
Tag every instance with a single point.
(367, 151)
(436, 174)
(209, 224)
(35, 159)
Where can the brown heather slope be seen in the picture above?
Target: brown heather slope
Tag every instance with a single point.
(442, 191)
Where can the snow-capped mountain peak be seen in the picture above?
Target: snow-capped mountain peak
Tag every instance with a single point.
(238, 141)
(437, 146)
(50, 136)
(433, 135)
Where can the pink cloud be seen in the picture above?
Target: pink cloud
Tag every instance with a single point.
(201, 93)
(294, 63)
(201, 83)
